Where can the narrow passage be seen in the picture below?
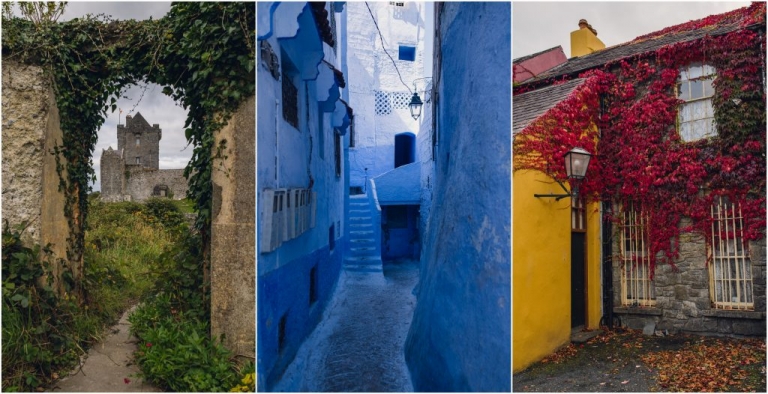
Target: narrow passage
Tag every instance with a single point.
(109, 365)
(358, 345)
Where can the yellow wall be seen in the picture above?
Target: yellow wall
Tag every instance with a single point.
(584, 42)
(593, 274)
(541, 272)
(541, 269)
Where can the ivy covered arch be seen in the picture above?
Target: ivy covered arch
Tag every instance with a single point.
(203, 54)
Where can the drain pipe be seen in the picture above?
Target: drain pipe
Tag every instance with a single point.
(607, 238)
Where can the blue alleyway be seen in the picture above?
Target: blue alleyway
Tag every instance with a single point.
(358, 345)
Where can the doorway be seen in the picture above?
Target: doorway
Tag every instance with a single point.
(578, 263)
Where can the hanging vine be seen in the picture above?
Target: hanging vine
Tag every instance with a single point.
(640, 156)
(202, 53)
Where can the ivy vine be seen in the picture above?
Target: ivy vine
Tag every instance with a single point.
(641, 158)
(201, 53)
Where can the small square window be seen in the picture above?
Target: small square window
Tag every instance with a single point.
(407, 53)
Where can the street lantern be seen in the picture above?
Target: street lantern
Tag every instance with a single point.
(415, 105)
(576, 164)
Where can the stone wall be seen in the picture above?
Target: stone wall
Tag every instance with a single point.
(140, 184)
(30, 130)
(112, 175)
(682, 295)
(233, 235)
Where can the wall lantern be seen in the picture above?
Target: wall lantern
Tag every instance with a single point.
(415, 105)
(576, 164)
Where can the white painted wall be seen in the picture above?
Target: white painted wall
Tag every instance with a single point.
(370, 69)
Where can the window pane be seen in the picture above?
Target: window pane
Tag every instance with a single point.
(697, 89)
(683, 91)
(709, 91)
(694, 71)
(698, 110)
(709, 110)
(685, 131)
(685, 113)
(708, 70)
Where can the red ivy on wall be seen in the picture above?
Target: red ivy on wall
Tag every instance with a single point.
(639, 154)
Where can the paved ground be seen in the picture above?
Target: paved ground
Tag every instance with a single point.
(108, 366)
(358, 345)
(628, 361)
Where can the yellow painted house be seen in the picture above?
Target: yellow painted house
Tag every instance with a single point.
(556, 244)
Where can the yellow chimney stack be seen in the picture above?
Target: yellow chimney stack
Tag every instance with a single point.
(584, 41)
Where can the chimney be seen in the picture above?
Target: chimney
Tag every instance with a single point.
(584, 41)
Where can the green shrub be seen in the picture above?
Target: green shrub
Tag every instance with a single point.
(175, 351)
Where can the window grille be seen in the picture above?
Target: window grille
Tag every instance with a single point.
(637, 288)
(387, 101)
(290, 101)
(696, 118)
(730, 269)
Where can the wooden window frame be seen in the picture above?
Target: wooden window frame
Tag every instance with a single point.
(637, 287)
(684, 80)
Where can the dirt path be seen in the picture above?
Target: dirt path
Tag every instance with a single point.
(108, 366)
(358, 346)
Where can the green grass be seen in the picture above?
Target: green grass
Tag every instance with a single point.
(185, 205)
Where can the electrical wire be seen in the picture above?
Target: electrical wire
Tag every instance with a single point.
(384, 47)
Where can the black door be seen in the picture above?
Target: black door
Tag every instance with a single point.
(578, 304)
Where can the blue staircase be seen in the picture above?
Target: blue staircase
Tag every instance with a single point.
(364, 251)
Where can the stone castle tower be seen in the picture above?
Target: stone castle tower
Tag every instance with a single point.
(139, 142)
(132, 171)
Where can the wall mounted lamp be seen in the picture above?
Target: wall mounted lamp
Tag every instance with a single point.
(576, 164)
(416, 103)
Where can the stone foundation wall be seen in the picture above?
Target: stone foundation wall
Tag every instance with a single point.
(683, 299)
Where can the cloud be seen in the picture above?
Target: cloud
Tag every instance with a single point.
(117, 10)
(538, 26)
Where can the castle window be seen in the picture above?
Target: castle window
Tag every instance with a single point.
(696, 117)
(637, 288)
(138, 160)
(138, 140)
(730, 268)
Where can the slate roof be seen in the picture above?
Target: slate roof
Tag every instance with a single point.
(638, 46)
(528, 106)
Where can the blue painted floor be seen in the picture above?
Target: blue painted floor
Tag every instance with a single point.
(358, 345)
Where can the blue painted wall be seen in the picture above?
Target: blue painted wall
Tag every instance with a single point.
(302, 157)
(459, 339)
(399, 186)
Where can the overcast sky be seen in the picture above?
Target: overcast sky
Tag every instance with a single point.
(541, 25)
(153, 105)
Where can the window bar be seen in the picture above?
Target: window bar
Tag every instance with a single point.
(729, 301)
(736, 262)
(711, 259)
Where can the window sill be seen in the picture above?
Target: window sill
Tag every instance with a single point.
(734, 314)
(638, 310)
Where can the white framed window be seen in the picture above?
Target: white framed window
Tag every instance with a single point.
(730, 268)
(637, 287)
(696, 117)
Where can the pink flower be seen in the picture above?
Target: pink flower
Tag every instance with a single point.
(149, 344)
